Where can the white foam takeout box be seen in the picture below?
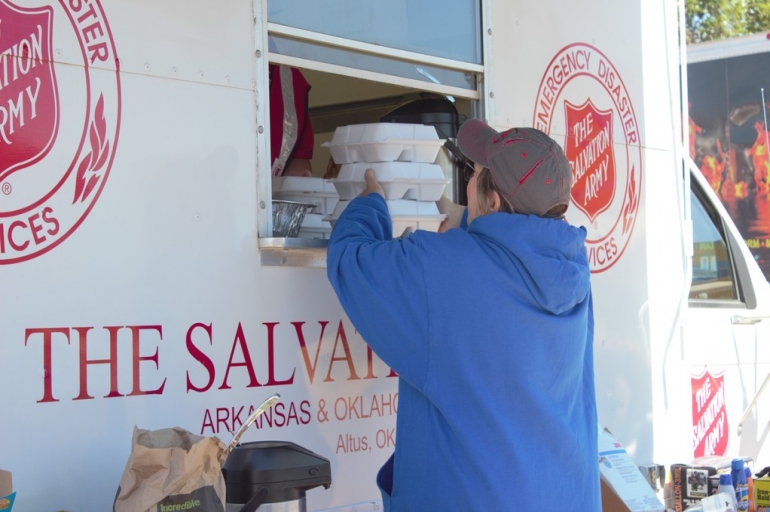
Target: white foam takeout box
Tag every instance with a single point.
(384, 142)
(399, 180)
(307, 190)
(404, 213)
(314, 226)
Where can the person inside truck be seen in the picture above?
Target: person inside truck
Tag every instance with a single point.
(489, 326)
(291, 133)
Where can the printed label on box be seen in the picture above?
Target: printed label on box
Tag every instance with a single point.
(623, 476)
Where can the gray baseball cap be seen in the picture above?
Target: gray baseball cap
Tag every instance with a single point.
(528, 166)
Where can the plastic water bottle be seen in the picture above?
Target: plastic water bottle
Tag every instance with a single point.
(738, 475)
(750, 480)
(726, 486)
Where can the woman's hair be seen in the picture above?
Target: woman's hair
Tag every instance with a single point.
(485, 185)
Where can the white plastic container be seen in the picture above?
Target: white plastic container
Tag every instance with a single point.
(399, 180)
(302, 184)
(384, 142)
(307, 190)
(314, 226)
(405, 214)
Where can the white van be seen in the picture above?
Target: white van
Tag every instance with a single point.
(143, 286)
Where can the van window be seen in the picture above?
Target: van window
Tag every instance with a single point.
(713, 273)
(441, 28)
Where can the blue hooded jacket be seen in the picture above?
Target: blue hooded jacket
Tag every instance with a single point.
(490, 330)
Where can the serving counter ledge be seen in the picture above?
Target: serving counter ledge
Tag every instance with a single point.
(293, 252)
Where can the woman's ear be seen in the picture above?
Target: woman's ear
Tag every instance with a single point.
(494, 202)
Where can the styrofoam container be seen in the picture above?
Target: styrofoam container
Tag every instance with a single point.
(405, 214)
(378, 132)
(314, 226)
(315, 222)
(384, 142)
(399, 180)
(306, 190)
(302, 184)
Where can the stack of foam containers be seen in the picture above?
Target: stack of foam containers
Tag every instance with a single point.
(402, 157)
(309, 190)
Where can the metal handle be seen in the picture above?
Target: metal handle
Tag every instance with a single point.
(262, 408)
(256, 500)
(748, 320)
(752, 404)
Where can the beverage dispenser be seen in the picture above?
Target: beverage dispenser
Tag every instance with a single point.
(273, 476)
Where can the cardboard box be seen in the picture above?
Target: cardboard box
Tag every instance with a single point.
(611, 502)
(624, 488)
(6, 483)
(7, 495)
(762, 494)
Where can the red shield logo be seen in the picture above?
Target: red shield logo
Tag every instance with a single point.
(589, 149)
(29, 110)
(709, 415)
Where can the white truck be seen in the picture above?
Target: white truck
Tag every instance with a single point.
(142, 285)
(728, 83)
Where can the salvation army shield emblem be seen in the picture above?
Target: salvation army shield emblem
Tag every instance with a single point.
(589, 149)
(29, 110)
(709, 414)
(50, 179)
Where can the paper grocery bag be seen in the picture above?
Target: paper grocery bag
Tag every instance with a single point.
(172, 467)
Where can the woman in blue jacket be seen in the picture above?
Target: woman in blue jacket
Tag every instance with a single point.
(489, 325)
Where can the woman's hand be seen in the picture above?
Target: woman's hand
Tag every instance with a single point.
(372, 185)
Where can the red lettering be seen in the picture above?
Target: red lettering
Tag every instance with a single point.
(36, 228)
(112, 361)
(202, 358)
(604, 253)
(369, 363)
(240, 341)
(98, 51)
(237, 417)
(207, 422)
(92, 32)
(15, 224)
(223, 415)
(271, 358)
(136, 359)
(310, 367)
(47, 363)
(47, 211)
(90, 13)
(341, 337)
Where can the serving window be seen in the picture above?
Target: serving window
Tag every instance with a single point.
(351, 83)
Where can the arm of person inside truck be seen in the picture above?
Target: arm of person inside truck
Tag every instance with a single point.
(291, 133)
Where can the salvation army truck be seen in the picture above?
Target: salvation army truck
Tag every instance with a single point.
(143, 284)
(728, 83)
